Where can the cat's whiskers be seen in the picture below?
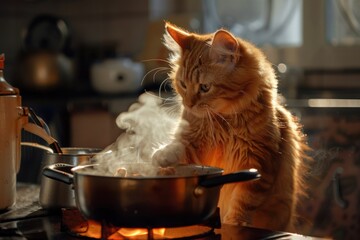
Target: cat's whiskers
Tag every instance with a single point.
(163, 84)
(171, 105)
(220, 117)
(163, 99)
(172, 109)
(210, 124)
(171, 101)
(155, 71)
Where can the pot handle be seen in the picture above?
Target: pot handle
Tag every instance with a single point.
(35, 129)
(39, 121)
(59, 172)
(39, 128)
(37, 145)
(240, 176)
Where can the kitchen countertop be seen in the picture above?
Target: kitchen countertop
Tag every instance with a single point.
(27, 220)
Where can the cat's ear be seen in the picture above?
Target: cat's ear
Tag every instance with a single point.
(224, 47)
(181, 37)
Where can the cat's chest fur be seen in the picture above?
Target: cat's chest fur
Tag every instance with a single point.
(217, 142)
(231, 143)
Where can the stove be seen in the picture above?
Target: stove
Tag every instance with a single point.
(75, 224)
(50, 228)
(27, 220)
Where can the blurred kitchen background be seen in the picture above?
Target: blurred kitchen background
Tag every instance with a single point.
(79, 63)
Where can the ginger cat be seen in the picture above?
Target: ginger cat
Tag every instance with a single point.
(228, 91)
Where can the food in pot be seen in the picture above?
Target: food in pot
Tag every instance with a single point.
(160, 171)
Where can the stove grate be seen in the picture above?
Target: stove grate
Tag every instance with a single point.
(76, 225)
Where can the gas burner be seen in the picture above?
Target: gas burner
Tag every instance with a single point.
(75, 224)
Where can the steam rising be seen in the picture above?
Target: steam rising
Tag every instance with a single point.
(148, 126)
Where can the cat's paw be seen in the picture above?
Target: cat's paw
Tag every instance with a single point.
(163, 159)
(169, 155)
(234, 219)
(229, 219)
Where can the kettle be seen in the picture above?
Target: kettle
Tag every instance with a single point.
(13, 118)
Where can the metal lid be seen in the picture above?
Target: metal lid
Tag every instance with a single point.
(5, 87)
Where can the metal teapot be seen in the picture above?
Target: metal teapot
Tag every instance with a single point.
(14, 118)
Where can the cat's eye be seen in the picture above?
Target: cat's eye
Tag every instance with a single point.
(204, 88)
(182, 84)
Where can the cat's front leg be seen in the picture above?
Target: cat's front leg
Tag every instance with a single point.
(171, 154)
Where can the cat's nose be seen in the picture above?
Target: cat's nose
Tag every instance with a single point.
(189, 103)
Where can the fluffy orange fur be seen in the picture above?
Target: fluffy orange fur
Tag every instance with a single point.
(229, 93)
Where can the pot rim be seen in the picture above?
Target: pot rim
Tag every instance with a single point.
(212, 171)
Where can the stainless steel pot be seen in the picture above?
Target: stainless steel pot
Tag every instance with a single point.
(55, 194)
(189, 197)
